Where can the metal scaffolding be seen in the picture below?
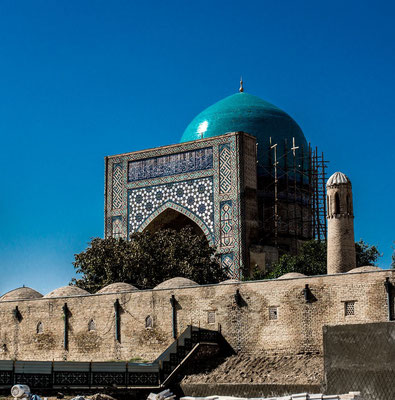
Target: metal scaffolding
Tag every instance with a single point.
(293, 191)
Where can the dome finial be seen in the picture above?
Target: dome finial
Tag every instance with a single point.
(241, 89)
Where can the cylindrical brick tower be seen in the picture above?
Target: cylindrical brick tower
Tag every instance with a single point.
(341, 245)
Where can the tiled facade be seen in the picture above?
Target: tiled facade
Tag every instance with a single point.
(204, 180)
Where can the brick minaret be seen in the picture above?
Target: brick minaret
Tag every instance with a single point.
(341, 245)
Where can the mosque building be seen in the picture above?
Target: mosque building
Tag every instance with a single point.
(243, 175)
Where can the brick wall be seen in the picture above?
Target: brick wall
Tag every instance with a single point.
(248, 327)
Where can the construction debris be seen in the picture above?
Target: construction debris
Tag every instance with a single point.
(300, 396)
(165, 395)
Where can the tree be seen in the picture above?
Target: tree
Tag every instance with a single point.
(147, 260)
(366, 254)
(311, 260)
(393, 258)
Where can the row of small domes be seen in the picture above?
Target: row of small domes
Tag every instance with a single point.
(66, 291)
(26, 293)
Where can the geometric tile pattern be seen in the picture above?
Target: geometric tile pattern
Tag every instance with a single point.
(227, 262)
(226, 215)
(117, 229)
(117, 186)
(173, 164)
(225, 171)
(195, 196)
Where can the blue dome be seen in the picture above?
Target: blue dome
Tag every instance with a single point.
(247, 113)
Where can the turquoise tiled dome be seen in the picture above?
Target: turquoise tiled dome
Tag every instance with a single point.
(247, 113)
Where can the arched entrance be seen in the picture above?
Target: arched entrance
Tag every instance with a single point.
(172, 216)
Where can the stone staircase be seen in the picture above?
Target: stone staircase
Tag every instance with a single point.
(193, 344)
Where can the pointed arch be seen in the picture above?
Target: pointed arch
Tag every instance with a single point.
(91, 325)
(182, 210)
(337, 203)
(149, 322)
(40, 327)
(328, 205)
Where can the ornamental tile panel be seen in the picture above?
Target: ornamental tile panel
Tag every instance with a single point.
(228, 263)
(172, 164)
(225, 171)
(117, 228)
(195, 196)
(117, 186)
(226, 216)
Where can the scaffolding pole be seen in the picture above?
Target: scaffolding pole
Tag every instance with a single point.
(301, 202)
(274, 147)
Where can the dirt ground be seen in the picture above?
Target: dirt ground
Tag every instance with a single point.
(296, 369)
(97, 396)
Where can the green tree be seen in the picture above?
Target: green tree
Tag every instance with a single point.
(393, 258)
(366, 254)
(311, 260)
(147, 259)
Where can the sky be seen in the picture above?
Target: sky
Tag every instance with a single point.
(80, 80)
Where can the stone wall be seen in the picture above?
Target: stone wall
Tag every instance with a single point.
(250, 326)
(363, 357)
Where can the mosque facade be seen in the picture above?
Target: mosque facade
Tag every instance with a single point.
(230, 178)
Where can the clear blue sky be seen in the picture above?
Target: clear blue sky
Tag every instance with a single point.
(80, 80)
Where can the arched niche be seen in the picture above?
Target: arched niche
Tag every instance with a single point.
(91, 325)
(173, 216)
(149, 324)
(337, 203)
(40, 327)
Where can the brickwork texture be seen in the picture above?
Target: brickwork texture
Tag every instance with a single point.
(271, 317)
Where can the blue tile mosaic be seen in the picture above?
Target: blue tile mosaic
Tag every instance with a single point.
(226, 211)
(195, 196)
(228, 263)
(117, 186)
(117, 228)
(172, 164)
(225, 170)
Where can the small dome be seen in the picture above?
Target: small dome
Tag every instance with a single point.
(366, 268)
(66, 291)
(292, 275)
(20, 294)
(229, 281)
(338, 178)
(175, 283)
(117, 287)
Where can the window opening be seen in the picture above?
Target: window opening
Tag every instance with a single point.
(349, 308)
(273, 313)
(211, 317)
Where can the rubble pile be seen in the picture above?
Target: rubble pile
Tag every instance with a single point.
(300, 396)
